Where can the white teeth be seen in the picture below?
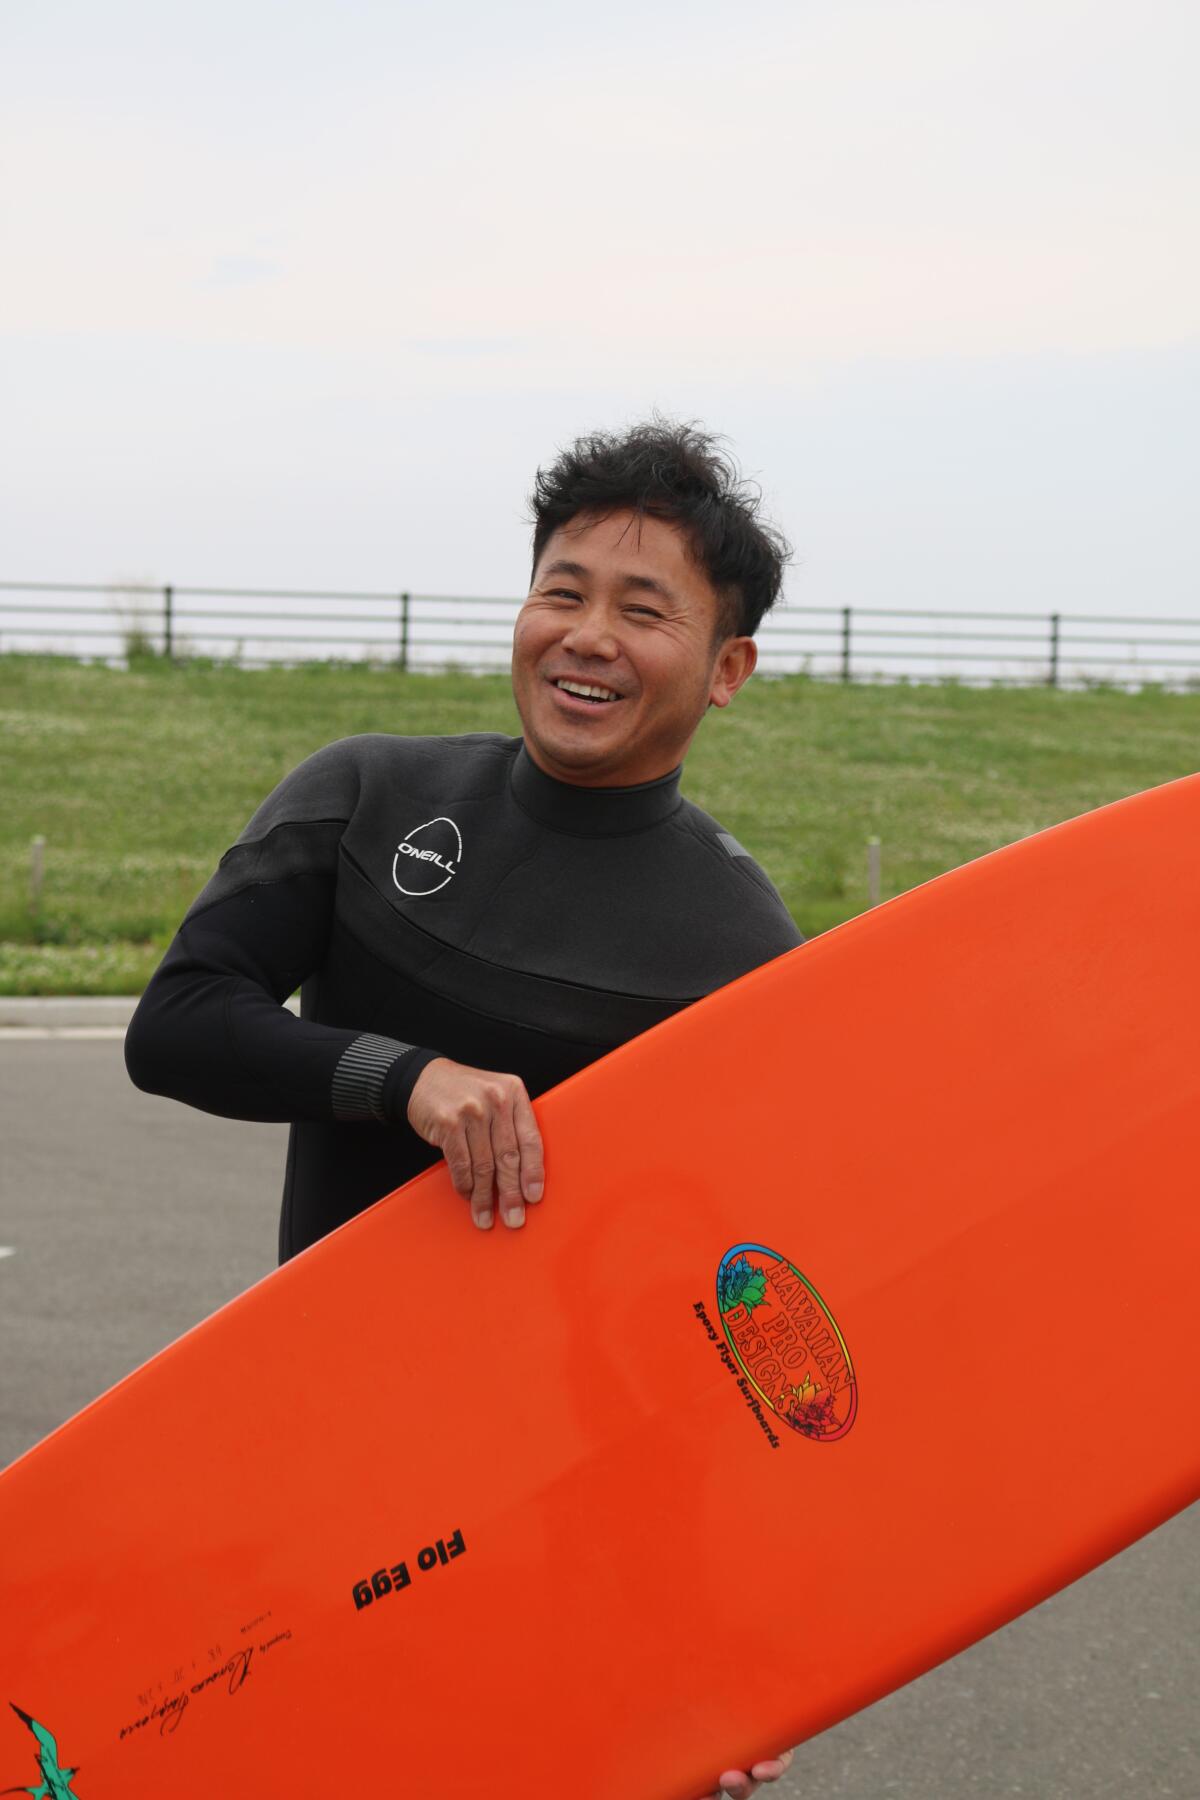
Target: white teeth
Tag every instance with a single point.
(589, 693)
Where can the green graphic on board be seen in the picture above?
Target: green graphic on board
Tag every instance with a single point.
(56, 1781)
(740, 1284)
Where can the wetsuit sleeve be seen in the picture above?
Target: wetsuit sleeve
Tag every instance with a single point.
(211, 1028)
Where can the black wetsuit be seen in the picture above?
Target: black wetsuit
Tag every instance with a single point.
(435, 896)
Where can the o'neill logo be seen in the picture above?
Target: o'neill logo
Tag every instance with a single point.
(786, 1342)
(428, 857)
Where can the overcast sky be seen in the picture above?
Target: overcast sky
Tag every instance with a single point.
(301, 293)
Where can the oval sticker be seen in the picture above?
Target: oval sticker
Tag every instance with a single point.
(787, 1342)
(427, 858)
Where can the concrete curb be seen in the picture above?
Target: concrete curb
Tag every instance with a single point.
(65, 1012)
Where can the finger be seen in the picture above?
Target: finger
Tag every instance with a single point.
(773, 1767)
(529, 1138)
(737, 1784)
(483, 1171)
(507, 1154)
(457, 1153)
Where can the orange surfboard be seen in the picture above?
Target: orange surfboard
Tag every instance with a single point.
(859, 1316)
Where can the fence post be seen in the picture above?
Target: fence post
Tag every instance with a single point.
(168, 622)
(873, 861)
(845, 643)
(405, 609)
(37, 870)
(1052, 679)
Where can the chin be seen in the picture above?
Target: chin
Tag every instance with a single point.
(575, 756)
(569, 753)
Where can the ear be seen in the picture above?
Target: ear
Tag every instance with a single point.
(733, 667)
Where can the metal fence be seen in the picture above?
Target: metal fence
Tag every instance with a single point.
(255, 627)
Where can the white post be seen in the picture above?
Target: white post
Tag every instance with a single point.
(873, 863)
(37, 865)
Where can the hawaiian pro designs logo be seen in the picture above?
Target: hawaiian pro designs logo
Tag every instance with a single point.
(786, 1342)
(428, 857)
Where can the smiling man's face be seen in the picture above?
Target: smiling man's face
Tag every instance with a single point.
(617, 653)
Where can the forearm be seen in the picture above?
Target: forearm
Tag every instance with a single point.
(211, 1029)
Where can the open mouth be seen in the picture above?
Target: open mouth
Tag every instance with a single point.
(591, 692)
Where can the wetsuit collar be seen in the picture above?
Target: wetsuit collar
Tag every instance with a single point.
(592, 811)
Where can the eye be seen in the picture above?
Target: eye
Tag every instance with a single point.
(645, 612)
(563, 594)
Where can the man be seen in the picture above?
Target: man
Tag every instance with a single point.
(515, 907)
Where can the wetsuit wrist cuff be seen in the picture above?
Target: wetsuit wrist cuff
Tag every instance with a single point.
(358, 1080)
(400, 1081)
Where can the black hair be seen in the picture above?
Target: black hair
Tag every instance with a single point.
(674, 472)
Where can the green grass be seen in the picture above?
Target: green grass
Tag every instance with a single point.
(139, 779)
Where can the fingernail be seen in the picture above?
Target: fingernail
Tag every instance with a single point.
(484, 1221)
(534, 1191)
(515, 1215)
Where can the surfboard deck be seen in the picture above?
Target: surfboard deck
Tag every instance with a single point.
(858, 1318)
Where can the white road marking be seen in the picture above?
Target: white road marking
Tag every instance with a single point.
(76, 1032)
(7, 1250)
(61, 1031)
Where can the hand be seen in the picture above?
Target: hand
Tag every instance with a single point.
(484, 1126)
(738, 1785)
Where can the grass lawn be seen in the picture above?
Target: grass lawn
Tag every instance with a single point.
(139, 779)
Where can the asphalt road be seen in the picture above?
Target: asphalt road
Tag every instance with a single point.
(129, 1219)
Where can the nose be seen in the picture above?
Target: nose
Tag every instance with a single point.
(591, 635)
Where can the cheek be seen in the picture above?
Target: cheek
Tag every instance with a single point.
(676, 681)
(530, 641)
(522, 656)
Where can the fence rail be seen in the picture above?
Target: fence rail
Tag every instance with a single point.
(112, 622)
